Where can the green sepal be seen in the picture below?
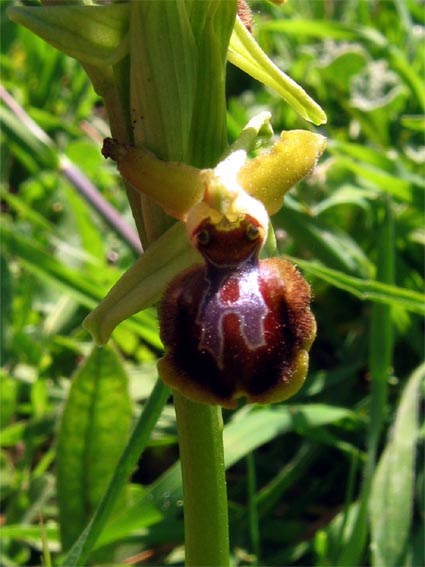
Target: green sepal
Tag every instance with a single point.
(143, 284)
(97, 36)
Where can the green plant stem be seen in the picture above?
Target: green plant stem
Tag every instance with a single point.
(183, 46)
(204, 484)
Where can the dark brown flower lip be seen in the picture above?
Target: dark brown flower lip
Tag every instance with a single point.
(244, 333)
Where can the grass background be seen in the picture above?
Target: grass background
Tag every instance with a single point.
(332, 477)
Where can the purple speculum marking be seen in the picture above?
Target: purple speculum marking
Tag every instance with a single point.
(245, 302)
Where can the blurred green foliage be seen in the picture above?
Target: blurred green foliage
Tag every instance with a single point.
(347, 451)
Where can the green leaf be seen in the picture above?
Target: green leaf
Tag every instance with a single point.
(30, 534)
(325, 29)
(367, 290)
(6, 298)
(35, 147)
(93, 433)
(92, 34)
(8, 398)
(245, 53)
(90, 237)
(391, 497)
(136, 444)
(391, 183)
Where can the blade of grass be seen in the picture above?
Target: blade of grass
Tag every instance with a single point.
(393, 485)
(366, 289)
(380, 362)
(381, 331)
(254, 528)
(47, 559)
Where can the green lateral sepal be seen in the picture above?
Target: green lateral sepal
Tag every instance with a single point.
(143, 284)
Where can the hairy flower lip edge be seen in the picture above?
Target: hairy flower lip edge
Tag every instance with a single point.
(303, 329)
(199, 394)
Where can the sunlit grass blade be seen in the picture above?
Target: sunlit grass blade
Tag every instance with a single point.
(365, 289)
(381, 345)
(393, 485)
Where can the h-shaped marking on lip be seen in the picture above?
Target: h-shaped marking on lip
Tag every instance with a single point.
(250, 309)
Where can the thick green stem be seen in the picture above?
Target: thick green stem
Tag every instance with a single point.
(178, 58)
(204, 483)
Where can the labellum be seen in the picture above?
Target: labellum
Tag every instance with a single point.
(235, 326)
